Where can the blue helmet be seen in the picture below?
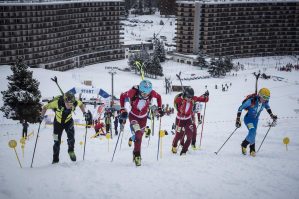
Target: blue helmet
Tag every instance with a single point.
(145, 86)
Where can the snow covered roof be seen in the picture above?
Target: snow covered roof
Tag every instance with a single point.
(16, 2)
(132, 42)
(234, 1)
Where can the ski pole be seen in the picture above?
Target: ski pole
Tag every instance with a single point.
(203, 122)
(159, 139)
(121, 130)
(116, 145)
(266, 135)
(152, 127)
(256, 80)
(55, 80)
(225, 141)
(179, 77)
(85, 140)
(35, 144)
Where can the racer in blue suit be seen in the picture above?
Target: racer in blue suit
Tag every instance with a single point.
(255, 106)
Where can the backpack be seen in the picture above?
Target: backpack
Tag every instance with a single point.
(174, 104)
(250, 96)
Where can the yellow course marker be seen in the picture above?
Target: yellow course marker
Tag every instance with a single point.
(286, 141)
(12, 144)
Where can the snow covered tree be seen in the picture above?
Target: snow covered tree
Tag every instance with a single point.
(21, 101)
(202, 61)
(227, 61)
(141, 57)
(217, 68)
(155, 66)
(159, 50)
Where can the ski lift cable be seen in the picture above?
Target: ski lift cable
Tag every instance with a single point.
(162, 27)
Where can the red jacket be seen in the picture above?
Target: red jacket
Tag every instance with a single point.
(185, 108)
(139, 106)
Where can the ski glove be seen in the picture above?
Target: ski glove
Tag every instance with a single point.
(86, 116)
(40, 119)
(123, 114)
(160, 112)
(274, 117)
(206, 94)
(238, 122)
(199, 121)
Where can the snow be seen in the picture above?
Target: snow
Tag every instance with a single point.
(145, 31)
(273, 173)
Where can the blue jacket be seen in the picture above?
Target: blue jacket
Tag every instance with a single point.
(254, 107)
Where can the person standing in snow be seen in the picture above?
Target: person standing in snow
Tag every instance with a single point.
(64, 106)
(184, 124)
(254, 106)
(116, 123)
(107, 116)
(139, 98)
(25, 129)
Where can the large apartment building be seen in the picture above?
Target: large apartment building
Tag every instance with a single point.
(240, 28)
(60, 35)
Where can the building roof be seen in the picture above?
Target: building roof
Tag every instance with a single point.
(22, 2)
(233, 1)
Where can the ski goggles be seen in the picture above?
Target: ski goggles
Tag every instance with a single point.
(265, 97)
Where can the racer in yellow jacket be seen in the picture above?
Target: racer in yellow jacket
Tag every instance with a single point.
(63, 106)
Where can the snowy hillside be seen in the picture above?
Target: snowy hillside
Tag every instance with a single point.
(272, 174)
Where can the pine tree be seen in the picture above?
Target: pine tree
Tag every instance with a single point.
(217, 68)
(159, 50)
(157, 69)
(22, 98)
(228, 64)
(202, 61)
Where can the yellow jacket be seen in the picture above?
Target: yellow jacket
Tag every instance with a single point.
(62, 114)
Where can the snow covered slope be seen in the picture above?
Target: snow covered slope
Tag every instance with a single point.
(272, 174)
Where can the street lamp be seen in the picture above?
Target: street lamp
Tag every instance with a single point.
(112, 72)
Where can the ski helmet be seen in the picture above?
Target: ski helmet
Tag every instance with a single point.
(189, 92)
(264, 93)
(145, 86)
(69, 97)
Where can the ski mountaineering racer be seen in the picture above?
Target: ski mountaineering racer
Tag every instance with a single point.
(139, 98)
(254, 106)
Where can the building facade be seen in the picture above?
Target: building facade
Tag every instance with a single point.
(167, 7)
(240, 28)
(60, 35)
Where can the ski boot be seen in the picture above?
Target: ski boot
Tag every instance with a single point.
(244, 146)
(174, 150)
(147, 132)
(72, 155)
(243, 149)
(193, 146)
(182, 153)
(252, 150)
(137, 159)
(130, 142)
(55, 160)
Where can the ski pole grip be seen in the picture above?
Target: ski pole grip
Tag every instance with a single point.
(54, 79)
